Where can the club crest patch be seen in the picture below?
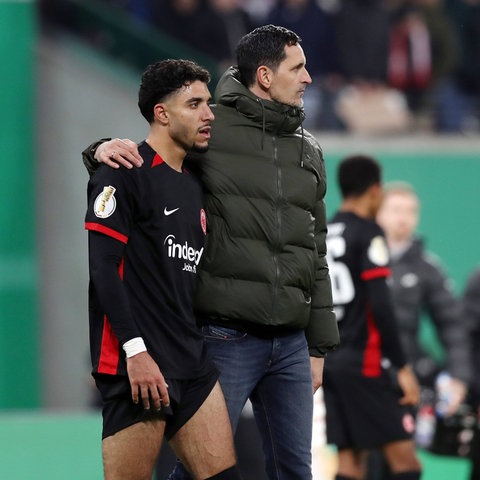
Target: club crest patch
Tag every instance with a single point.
(105, 203)
(378, 251)
(408, 423)
(203, 221)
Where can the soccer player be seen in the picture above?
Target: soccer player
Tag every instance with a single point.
(146, 235)
(365, 407)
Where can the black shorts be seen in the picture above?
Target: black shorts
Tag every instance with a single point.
(364, 413)
(119, 411)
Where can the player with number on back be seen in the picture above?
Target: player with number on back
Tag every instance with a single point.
(366, 407)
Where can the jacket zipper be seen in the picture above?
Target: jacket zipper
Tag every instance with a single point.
(278, 218)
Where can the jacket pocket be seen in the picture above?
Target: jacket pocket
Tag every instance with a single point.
(222, 333)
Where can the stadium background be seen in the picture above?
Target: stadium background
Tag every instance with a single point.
(56, 95)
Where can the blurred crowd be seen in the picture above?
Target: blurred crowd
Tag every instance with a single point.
(376, 65)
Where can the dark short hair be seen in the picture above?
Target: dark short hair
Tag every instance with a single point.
(163, 78)
(263, 46)
(356, 174)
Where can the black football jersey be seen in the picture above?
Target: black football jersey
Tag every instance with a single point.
(359, 265)
(157, 212)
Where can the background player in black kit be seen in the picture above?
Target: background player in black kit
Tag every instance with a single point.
(365, 408)
(146, 234)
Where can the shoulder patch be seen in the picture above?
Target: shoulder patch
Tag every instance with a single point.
(378, 251)
(105, 204)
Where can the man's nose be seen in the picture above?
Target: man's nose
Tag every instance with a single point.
(307, 77)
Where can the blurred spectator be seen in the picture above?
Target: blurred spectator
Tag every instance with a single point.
(460, 111)
(362, 32)
(315, 27)
(236, 22)
(193, 22)
(362, 38)
(410, 59)
(258, 9)
(422, 55)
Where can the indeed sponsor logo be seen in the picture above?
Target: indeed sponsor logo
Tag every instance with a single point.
(182, 251)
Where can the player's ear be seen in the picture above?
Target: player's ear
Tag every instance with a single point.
(160, 112)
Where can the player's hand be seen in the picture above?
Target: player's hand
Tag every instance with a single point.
(147, 381)
(118, 152)
(409, 384)
(316, 364)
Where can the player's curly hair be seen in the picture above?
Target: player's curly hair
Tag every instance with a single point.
(161, 79)
(357, 173)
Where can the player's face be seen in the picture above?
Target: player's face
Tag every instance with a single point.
(291, 78)
(398, 215)
(190, 117)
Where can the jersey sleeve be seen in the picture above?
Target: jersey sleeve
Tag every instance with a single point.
(106, 274)
(375, 258)
(375, 270)
(112, 198)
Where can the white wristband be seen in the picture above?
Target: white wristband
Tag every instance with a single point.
(134, 346)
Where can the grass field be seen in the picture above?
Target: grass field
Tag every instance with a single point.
(43, 446)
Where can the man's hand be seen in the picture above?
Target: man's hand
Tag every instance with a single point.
(118, 152)
(457, 392)
(147, 380)
(316, 364)
(409, 385)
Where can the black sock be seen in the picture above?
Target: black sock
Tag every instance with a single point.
(406, 476)
(231, 473)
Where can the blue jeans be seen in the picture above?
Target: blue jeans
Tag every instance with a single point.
(275, 374)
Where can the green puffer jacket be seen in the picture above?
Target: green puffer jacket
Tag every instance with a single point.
(264, 267)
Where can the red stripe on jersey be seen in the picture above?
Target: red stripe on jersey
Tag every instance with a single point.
(372, 356)
(108, 362)
(107, 231)
(157, 160)
(376, 273)
(109, 357)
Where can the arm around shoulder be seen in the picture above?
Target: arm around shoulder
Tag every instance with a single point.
(88, 156)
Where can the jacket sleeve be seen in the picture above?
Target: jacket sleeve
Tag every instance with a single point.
(444, 310)
(471, 302)
(471, 316)
(322, 330)
(88, 156)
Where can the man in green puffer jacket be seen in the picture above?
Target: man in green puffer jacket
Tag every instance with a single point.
(264, 295)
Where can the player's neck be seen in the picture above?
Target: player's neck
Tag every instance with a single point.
(171, 154)
(398, 244)
(357, 206)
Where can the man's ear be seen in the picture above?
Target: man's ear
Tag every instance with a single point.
(160, 112)
(264, 77)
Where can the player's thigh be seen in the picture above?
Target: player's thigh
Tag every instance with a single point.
(205, 443)
(130, 454)
(401, 456)
(352, 463)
